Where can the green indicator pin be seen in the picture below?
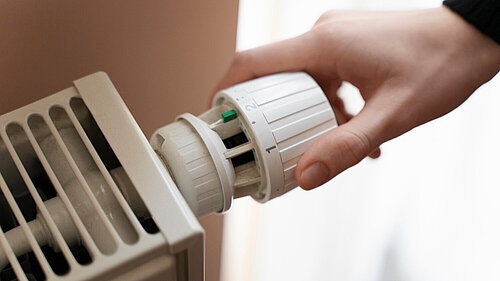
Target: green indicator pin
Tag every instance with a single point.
(229, 115)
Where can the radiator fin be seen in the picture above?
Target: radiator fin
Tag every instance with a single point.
(43, 150)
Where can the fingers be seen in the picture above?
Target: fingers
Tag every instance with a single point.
(331, 154)
(342, 117)
(375, 154)
(288, 55)
(342, 148)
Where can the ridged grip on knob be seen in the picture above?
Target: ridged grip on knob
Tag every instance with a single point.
(284, 114)
(192, 167)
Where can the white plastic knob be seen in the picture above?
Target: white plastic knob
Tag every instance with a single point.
(283, 114)
(247, 144)
(186, 156)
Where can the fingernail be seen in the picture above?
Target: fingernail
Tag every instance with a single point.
(314, 175)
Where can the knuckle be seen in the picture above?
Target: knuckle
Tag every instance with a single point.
(332, 29)
(244, 61)
(356, 143)
(240, 58)
(328, 15)
(321, 18)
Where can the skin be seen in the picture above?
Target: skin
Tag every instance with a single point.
(410, 67)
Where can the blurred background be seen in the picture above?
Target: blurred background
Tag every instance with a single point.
(428, 209)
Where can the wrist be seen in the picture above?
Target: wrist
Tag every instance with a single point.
(471, 40)
(476, 50)
(482, 14)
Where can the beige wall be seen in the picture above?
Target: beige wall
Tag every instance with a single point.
(164, 57)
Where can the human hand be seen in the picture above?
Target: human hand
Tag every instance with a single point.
(410, 67)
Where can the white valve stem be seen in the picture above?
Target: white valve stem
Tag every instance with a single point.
(18, 242)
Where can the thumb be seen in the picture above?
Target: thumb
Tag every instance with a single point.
(340, 149)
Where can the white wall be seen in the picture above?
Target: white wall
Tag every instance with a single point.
(427, 210)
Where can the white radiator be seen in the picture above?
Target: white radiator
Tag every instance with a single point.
(63, 159)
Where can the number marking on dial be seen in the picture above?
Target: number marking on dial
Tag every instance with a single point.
(250, 107)
(270, 148)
